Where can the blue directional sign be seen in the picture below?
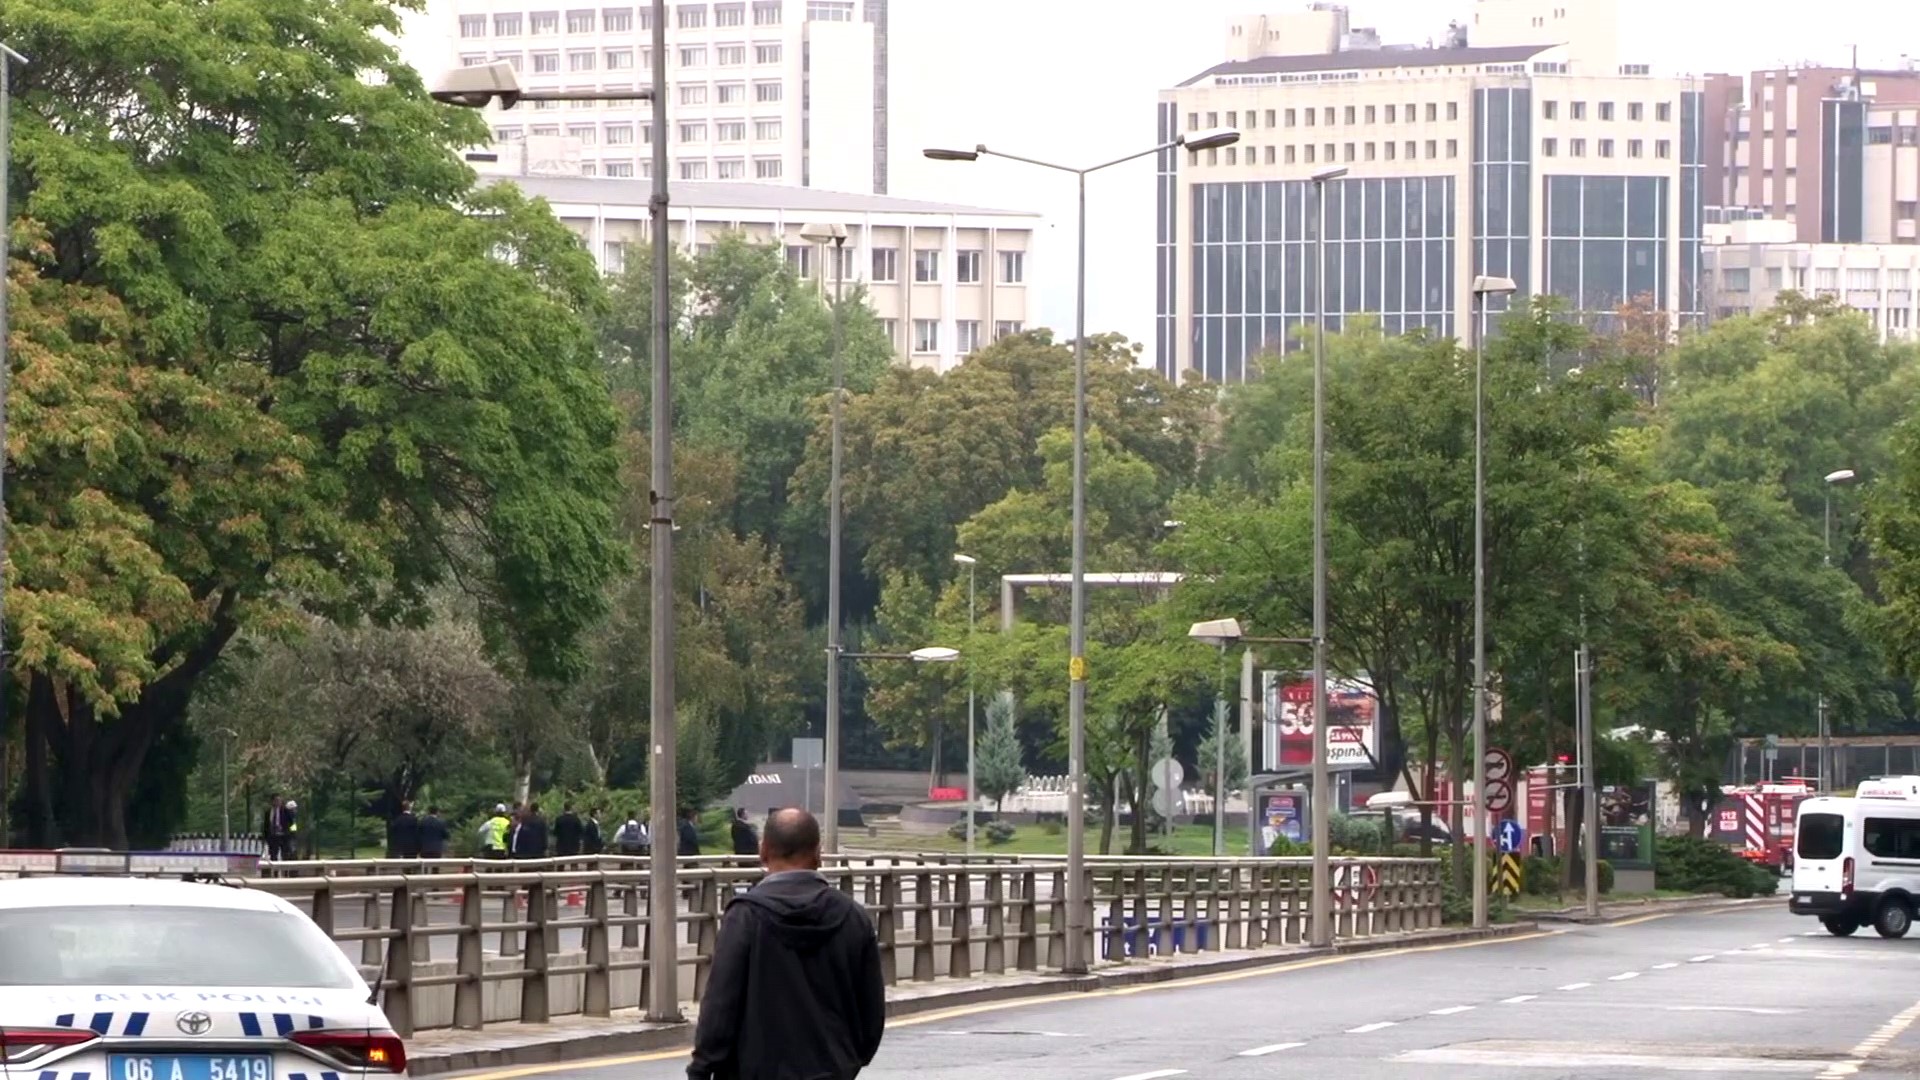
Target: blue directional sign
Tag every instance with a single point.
(1513, 837)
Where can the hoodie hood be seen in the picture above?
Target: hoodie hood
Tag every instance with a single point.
(803, 910)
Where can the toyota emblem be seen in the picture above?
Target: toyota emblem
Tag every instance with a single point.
(193, 1023)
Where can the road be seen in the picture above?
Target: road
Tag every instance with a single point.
(1745, 994)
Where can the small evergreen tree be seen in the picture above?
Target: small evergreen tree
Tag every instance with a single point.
(999, 771)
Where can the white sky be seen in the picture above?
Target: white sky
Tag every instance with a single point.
(1075, 81)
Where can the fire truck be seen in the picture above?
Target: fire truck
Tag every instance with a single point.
(1756, 820)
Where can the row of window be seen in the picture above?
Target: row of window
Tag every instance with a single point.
(926, 265)
(966, 333)
(691, 131)
(723, 169)
(1662, 148)
(1577, 110)
(1331, 116)
(623, 58)
(1740, 279)
(620, 20)
(1311, 154)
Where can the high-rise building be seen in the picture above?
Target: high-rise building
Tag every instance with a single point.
(1519, 145)
(1835, 150)
(773, 91)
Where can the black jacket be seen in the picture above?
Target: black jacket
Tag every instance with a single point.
(433, 837)
(744, 840)
(566, 834)
(591, 842)
(530, 842)
(689, 838)
(403, 836)
(796, 991)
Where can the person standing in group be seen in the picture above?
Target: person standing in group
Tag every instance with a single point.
(530, 840)
(745, 842)
(273, 828)
(689, 832)
(796, 987)
(493, 833)
(433, 835)
(632, 838)
(592, 842)
(403, 833)
(566, 832)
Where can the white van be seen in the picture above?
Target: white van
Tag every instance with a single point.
(1857, 861)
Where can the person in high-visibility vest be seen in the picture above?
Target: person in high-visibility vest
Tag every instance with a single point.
(493, 833)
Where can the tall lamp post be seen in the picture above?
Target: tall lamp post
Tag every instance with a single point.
(1834, 479)
(1078, 911)
(973, 795)
(476, 88)
(836, 235)
(1320, 905)
(7, 59)
(1483, 288)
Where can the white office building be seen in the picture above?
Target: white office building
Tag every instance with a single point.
(790, 92)
(1750, 263)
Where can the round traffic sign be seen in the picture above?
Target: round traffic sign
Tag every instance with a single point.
(1499, 796)
(1352, 884)
(1498, 765)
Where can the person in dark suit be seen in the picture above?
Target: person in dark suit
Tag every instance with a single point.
(566, 832)
(745, 840)
(433, 835)
(403, 833)
(689, 832)
(530, 840)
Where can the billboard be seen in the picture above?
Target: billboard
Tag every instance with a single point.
(1287, 728)
(1282, 814)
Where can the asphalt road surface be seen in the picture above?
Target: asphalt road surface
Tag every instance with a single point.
(1757, 993)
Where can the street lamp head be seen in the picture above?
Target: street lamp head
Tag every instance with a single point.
(938, 154)
(1840, 476)
(476, 87)
(1210, 139)
(965, 560)
(1222, 632)
(1325, 175)
(934, 654)
(830, 233)
(1484, 285)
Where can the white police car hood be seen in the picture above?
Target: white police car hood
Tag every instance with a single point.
(185, 1015)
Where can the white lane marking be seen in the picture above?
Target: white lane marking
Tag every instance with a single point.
(1786, 941)
(1668, 966)
(1263, 1051)
(1451, 1010)
(1762, 945)
(1375, 1026)
(1700, 959)
(1871, 1046)
(1612, 1063)
(1155, 1075)
(1576, 986)
(1521, 1000)
(1623, 976)
(1040, 1034)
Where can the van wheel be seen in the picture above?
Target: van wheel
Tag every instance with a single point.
(1839, 927)
(1893, 919)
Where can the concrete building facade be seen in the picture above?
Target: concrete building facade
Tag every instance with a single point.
(943, 280)
(790, 92)
(1518, 146)
(1750, 263)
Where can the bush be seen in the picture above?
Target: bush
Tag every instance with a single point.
(1691, 864)
(1540, 875)
(1358, 835)
(1285, 848)
(1052, 826)
(994, 832)
(1456, 905)
(1606, 877)
(998, 832)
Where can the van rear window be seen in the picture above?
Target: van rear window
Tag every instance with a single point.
(1821, 836)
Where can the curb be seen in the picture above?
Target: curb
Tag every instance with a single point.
(563, 1047)
(1698, 905)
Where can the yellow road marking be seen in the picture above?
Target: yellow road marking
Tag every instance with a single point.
(1045, 999)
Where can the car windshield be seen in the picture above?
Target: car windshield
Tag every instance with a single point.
(1820, 836)
(165, 946)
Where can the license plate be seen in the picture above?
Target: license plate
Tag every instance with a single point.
(189, 1067)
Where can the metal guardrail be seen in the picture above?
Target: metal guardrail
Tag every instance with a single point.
(568, 934)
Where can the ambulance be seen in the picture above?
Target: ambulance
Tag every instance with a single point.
(1857, 860)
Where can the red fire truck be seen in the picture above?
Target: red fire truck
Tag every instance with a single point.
(1756, 820)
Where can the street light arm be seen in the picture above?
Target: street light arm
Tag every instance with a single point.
(983, 151)
(1162, 148)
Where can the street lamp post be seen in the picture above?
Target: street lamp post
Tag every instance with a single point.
(1078, 911)
(1483, 288)
(1320, 906)
(1834, 478)
(476, 88)
(7, 59)
(973, 796)
(227, 735)
(836, 235)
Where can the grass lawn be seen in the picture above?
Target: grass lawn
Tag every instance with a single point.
(1186, 841)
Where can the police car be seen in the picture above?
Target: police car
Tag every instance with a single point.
(151, 979)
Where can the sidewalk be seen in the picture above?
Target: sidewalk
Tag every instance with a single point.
(1611, 911)
(573, 1038)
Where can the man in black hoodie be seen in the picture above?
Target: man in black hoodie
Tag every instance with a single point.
(796, 989)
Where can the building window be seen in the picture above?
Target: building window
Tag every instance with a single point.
(1413, 150)
(1007, 328)
(1373, 114)
(1433, 112)
(766, 13)
(926, 266)
(1549, 110)
(966, 267)
(966, 335)
(513, 59)
(1577, 148)
(616, 20)
(1269, 156)
(1013, 267)
(766, 130)
(544, 131)
(692, 16)
(1352, 115)
(693, 170)
(1290, 155)
(891, 328)
(926, 335)
(544, 22)
(579, 22)
(1273, 115)
(800, 259)
(1326, 118)
(472, 59)
(1310, 117)
(1606, 147)
(766, 168)
(693, 132)
(1636, 111)
(618, 169)
(1453, 148)
(1433, 149)
(730, 55)
(1372, 149)
(693, 94)
(1579, 110)
(1310, 152)
(1233, 155)
(585, 134)
(546, 62)
(730, 131)
(1453, 110)
(613, 256)
(1390, 113)
(1389, 146)
(766, 54)
(1606, 110)
(1662, 148)
(619, 134)
(732, 93)
(619, 59)
(506, 25)
(509, 134)
(767, 92)
(729, 14)
(886, 264)
(1736, 279)
(1863, 279)
(472, 26)
(1549, 147)
(1663, 111)
(1777, 277)
(1350, 150)
(588, 168)
(1636, 148)
(579, 61)
(693, 56)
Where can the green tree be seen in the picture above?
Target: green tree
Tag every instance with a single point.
(336, 395)
(1234, 754)
(1000, 770)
